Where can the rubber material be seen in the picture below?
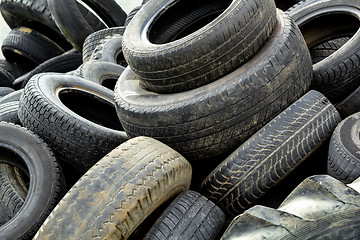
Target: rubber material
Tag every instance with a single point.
(109, 49)
(9, 112)
(5, 91)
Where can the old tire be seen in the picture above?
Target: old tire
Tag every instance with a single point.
(77, 118)
(188, 45)
(119, 192)
(216, 118)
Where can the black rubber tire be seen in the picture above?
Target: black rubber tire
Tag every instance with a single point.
(119, 192)
(75, 27)
(5, 91)
(27, 46)
(6, 79)
(215, 119)
(46, 180)
(131, 15)
(177, 47)
(109, 49)
(13, 192)
(63, 63)
(344, 150)
(11, 97)
(350, 105)
(35, 15)
(337, 75)
(189, 216)
(15, 69)
(9, 112)
(324, 50)
(93, 40)
(103, 73)
(76, 117)
(271, 154)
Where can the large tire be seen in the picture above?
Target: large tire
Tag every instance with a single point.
(189, 216)
(76, 117)
(271, 154)
(215, 119)
(119, 192)
(75, 27)
(27, 46)
(339, 74)
(344, 150)
(182, 46)
(46, 180)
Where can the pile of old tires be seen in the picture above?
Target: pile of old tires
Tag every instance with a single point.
(174, 121)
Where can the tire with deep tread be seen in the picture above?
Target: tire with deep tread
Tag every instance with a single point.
(47, 183)
(119, 192)
(344, 150)
(337, 75)
(215, 119)
(182, 46)
(189, 216)
(76, 117)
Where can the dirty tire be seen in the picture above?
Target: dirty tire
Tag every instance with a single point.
(11, 97)
(324, 50)
(46, 180)
(32, 14)
(215, 119)
(63, 63)
(76, 27)
(189, 216)
(337, 75)
(189, 45)
(119, 192)
(320, 207)
(349, 105)
(77, 118)
(13, 192)
(271, 154)
(15, 69)
(103, 73)
(109, 49)
(6, 79)
(344, 150)
(5, 91)
(28, 46)
(9, 112)
(131, 15)
(93, 40)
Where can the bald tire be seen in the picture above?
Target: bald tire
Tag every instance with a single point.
(119, 192)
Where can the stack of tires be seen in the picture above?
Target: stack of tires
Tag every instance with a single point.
(174, 121)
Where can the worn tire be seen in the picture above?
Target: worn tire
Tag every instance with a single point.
(11, 97)
(339, 74)
(344, 150)
(46, 180)
(103, 73)
(76, 117)
(75, 27)
(93, 40)
(324, 50)
(27, 46)
(271, 154)
(9, 112)
(215, 119)
(5, 91)
(182, 46)
(350, 105)
(189, 216)
(119, 192)
(109, 49)
(131, 15)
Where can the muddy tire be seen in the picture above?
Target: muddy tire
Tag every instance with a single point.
(76, 117)
(215, 119)
(188, 45)
(119, 192)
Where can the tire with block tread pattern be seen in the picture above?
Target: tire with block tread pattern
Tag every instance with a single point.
(324, 50)
(191, 44)
(47, 184)
(215, 119)
(119, 192)
(271, 154)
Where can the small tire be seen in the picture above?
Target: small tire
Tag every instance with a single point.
(76, 117)
(47, 183)
(189, 216)
(182, 46)
(119, 192)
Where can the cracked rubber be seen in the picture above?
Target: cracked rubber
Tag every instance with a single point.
(119, 192)
(47, 184)
(344, 151)
(215, 119)
(182, 46)
(189, 216)
(339, 74)
(76, 117)
(271, 154)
